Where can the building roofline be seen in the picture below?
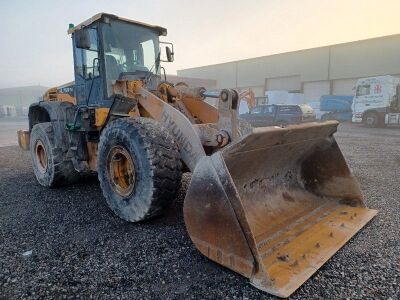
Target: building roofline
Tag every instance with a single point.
(294, 51)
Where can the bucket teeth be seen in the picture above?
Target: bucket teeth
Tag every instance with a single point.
(305, 250)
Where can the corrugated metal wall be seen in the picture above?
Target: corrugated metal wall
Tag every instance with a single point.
(286, 83)
(314, 90)
(343, 86)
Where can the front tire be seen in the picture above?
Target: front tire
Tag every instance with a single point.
(371, 119)
(139, 168)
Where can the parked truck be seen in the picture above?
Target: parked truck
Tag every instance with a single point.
(334, 107)
(377, 101)
(279, 115)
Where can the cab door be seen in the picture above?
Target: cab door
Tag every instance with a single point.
(288, 114)
(269, 115)
(256, 116)
(88, 89)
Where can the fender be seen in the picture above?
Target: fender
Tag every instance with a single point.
(378, 110)
(58, 113)
(178, 124)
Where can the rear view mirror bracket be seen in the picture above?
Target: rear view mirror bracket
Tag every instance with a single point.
(169, 52)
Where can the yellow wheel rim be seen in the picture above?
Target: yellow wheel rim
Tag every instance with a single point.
(41, 156)
(121, 171)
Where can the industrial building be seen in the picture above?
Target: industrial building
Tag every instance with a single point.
(194, 82)
(330, 70)
(8, 111)
(21, 96)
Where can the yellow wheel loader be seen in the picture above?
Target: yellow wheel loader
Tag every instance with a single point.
(272, 204)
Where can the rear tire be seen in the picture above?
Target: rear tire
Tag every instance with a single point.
(282, 123)
(371, 119)
(48, 162)
(139, 168)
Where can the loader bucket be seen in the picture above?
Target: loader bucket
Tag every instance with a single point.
(275, 205)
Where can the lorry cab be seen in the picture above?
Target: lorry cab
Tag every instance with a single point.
(373, 98)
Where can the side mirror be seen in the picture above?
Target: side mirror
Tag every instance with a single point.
(82, 39)
(170, 54)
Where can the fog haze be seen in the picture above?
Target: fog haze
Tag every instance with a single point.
(36, 50)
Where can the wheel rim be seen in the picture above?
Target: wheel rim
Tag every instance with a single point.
(121, 171)
(41, 156)
(370, 120)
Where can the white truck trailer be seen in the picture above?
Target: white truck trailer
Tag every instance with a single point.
(377, 101)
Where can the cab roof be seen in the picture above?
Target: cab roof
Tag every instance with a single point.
(103, 16)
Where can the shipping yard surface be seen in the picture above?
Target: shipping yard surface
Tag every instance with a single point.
(80, 249)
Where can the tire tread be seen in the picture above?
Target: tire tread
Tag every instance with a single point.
(162, 154)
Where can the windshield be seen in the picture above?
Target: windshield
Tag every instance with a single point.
(363, 90)
(129, 49)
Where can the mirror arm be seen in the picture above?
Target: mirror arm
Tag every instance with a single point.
(172, 50)
(165, 75)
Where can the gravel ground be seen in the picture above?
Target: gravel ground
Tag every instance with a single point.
(81, 250)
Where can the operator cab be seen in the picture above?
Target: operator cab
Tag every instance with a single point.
(109, 48)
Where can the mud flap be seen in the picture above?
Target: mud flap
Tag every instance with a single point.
(275, 205)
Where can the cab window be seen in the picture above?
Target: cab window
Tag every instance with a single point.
(129, 50)
(257, 110)
(87, 60)
(270, 109)
(289, 109)
(363, 90)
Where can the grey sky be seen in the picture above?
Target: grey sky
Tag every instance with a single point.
(35, 48)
